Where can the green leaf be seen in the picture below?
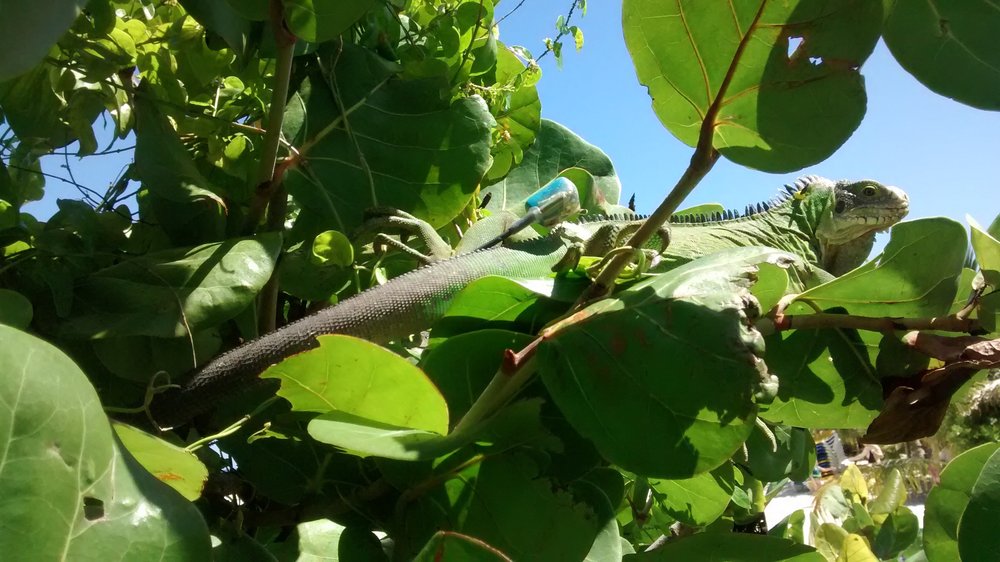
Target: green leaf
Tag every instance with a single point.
(694, 398)
(317, 21)
(793, 459)
(70, 490)
(790, 527)
(505, 502)
(34, 110)
(170, 464)
(947, 502)
(224, 18)
(704, 209)
(352, 376)
(31, 31)
(332, 247)
(855, 549)
(901, 281)
(948, 47)
(556, 148)
(449, 546)
(420, 154)
(978, 538)
(180, 197)
(171, 293)
(733, 547)
(496, 302)
(518, 113)
(463, 365)
(825, 379)
(896, 533)
(892, 496)
(15, 309)
(366, 437)
(698, 500)
(683, 51)
(987, 249)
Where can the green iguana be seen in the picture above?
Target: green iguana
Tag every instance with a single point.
(830, 224)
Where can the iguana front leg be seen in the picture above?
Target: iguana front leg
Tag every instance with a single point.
(606, 241)
(382, 220)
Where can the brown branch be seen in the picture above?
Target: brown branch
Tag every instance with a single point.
(704, 157)
(270, 193)
(951, 323)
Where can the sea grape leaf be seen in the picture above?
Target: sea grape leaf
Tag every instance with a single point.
(31, 31)
(732, 547)
(463, 365)
(170, 464)
(518, 113)
(407, 148)
(682, 52)
(948, 47)
(826, 380)
(15, 309)
(171, 293)
(901, 281)
(987, 249)
(504, 501)
(556, 148)
(698, 500)
(68, 488)
(947, 502)
(496, 302)
(224, 18)
(34, 110)
(895, 533)
(353, 376)
(449, 546)
(179, 196)
(794, 458)
(978, 538)
(317, 21)
(670, 361)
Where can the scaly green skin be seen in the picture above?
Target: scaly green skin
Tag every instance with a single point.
(819, 222)
(403, 306)
(829, 224)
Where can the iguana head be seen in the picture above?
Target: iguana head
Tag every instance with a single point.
(858, 209)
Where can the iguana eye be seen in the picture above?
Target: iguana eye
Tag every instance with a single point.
(869, 191)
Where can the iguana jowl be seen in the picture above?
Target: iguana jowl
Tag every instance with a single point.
(830, 224)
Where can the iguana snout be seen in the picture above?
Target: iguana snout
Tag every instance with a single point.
(861, 208)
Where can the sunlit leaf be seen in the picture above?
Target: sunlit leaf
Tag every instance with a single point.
(69, 489)
(672, 356)
(948, 47)
(735, 547)
(32, 31)
(947, 502)
(684, 51)
(174, 292)
(352, 376)
(170, 464)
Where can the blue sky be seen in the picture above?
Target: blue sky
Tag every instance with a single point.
(944, 154)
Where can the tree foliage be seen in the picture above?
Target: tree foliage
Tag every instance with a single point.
(264, 130)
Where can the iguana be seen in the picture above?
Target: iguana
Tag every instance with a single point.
(830, 224)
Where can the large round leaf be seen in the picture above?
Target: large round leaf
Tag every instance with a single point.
(30, 29)
(947, 502)
(405, 147)
(174, 292)
(949, 46)
(68, 489)
(683, 52)
(661, 377)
